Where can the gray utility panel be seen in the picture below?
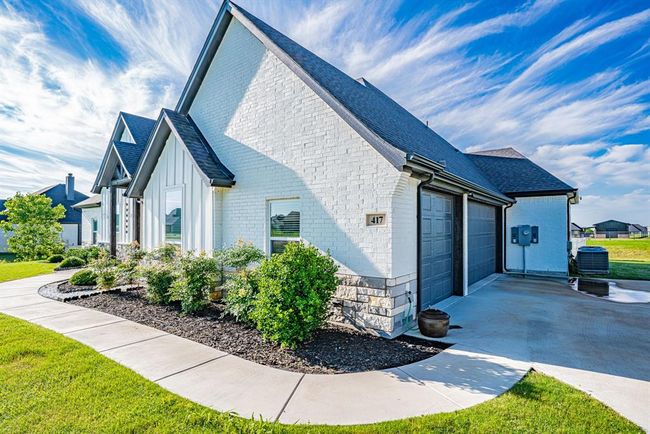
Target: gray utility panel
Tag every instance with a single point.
(481, 241)
(436, 247)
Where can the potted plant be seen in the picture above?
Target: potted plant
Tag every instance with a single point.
(433, 323)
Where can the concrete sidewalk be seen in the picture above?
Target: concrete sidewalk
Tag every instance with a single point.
(485, 362)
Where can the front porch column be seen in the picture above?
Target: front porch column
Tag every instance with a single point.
(112, 224)
(465, 251)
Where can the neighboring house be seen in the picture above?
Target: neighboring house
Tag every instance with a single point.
(63, 194)
(119, 217)
(619, 229)
(271, 144)
(577, 231)
(90, 217)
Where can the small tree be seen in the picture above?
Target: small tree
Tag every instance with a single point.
(32, 226)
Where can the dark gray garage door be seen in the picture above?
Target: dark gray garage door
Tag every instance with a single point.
(481, 241)
(436, 246)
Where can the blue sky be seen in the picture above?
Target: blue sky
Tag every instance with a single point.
(565, 82)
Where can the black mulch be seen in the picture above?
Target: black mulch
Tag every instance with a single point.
(333, 350)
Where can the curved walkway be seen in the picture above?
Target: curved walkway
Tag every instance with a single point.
(486, 361)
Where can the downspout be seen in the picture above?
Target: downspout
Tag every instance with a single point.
(419, 229)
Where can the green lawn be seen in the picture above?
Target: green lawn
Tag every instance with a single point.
(51, 383)
(20, 270)
(628, 259)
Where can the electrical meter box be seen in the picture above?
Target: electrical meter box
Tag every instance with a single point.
(524, 235)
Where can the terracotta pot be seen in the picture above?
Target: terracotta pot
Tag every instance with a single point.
(433, 323)
(217, 294)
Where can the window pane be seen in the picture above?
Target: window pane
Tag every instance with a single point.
(173, 216)
(277, 246)
(285, 219)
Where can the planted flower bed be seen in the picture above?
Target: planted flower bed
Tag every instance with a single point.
(274, 311)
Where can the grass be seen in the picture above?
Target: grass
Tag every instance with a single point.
(628, 258)
(20, 270)
(51, 383)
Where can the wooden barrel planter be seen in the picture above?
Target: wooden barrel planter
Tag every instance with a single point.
(433, 323)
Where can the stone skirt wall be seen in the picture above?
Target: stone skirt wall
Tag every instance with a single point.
(386, 307)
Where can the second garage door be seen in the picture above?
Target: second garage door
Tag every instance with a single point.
(481, 241)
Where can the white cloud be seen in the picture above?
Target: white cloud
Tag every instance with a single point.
(630, 207)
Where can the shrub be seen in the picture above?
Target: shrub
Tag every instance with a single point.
(294, 292)
(105, 268)
(240, 255)
(165, 253)
(128, 271)
(84, 277)
(241, 290)
(159, 278)
(198, 276)
(72, 262)
(88, 253)
(55, 259)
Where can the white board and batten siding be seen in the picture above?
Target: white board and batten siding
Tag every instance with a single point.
(549, 256)
(126, 209)
(175, 170)
(282, 141)
(87, 217)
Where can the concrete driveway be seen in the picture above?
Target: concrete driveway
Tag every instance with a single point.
(598, 346)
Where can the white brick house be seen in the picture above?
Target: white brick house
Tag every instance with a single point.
(269, 143)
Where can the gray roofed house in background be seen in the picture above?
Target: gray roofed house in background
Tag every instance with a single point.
(514, 174)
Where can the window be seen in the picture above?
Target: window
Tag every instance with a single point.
(173, 216)
(93, 228)
(118, 222)
(284, 223)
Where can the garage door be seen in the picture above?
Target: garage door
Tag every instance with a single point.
(436, 247)
(481, 241)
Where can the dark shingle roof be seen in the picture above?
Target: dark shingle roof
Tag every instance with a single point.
(575, 227)
(513, 173)
(130, 154)
(199, 148)
(139, 126)
(395, 125)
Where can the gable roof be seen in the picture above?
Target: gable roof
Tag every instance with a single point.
(575, 227)
(186, 131)
(513, 174)
(91, 202)
(139, 127)
(394, 132)
(128, 154)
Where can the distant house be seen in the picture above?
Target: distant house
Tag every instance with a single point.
(577, 231)
(619, 229)
(66, 195)
(90, 219)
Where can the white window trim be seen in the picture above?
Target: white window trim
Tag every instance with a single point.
(163, 210)
(268, 237)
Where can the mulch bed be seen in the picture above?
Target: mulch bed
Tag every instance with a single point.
(66, 287)
(333, 349)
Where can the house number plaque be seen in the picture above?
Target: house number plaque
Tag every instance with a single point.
(376, 219)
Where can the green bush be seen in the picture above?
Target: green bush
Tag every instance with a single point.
(128, 271)
(54, 259)
(88, 253)
(71, 262)
(198, 276)
(165, 253)
(159, 278)
(294, 293)
(105, 268)
(239, 256)
(241, 290)
(84, 277)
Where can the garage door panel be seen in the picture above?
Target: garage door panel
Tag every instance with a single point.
(436, 247)
(481, 241)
